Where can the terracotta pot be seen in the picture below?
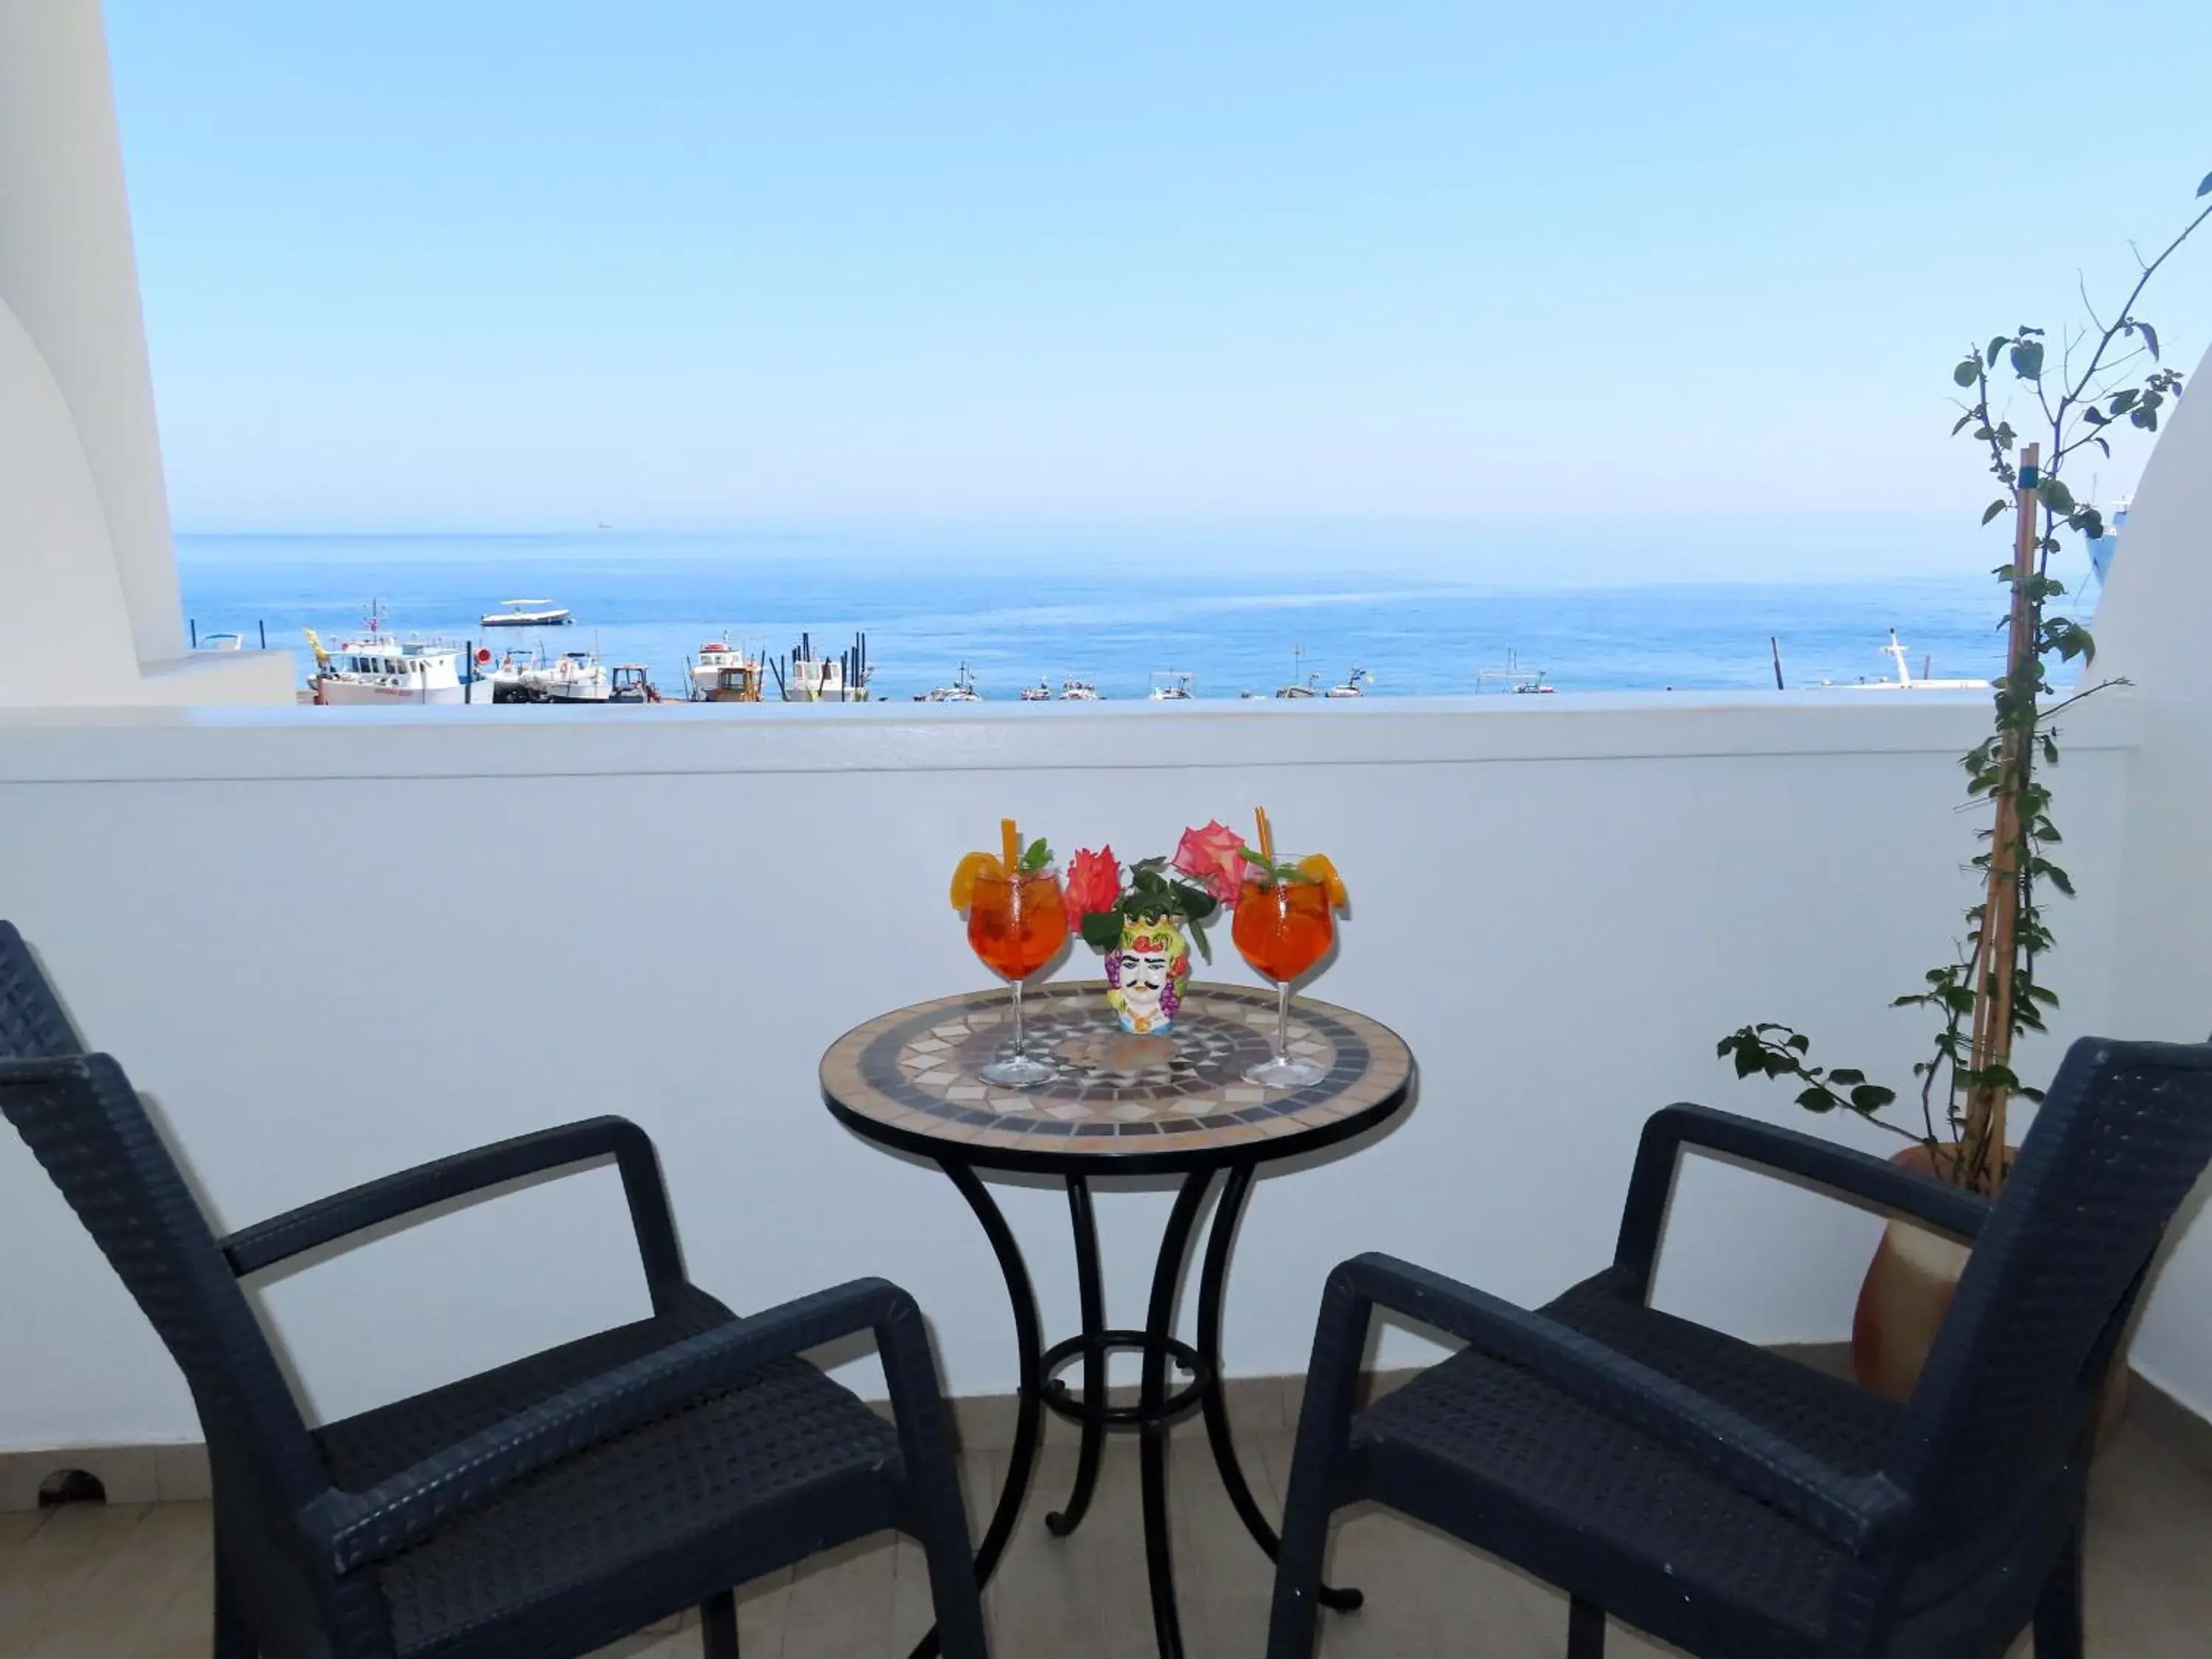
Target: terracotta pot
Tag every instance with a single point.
(1908, 1290)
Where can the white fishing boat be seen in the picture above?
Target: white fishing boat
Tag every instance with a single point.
(1513, 677)
(527, 613)
(1308, 686)
(1175, 685)
(1355, 686)
(1040, 692)
(962, 689)
(1078, 691)
(1905, 680)
(377, 668)
(573, 677)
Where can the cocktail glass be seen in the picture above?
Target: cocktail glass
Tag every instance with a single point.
(1017, 923)
(1284, 924)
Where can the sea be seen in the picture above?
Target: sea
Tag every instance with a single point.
(1119, 608)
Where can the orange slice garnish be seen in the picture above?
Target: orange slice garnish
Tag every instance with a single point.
(1317, 868)
(975, 867)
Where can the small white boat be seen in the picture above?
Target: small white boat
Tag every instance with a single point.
(1513, 677)
(962, 689)
(1175, 685)
(1308, 687)
(527, 613)
(1905, 680)
(1078, 691)
(378, 668)
(572, 676)
(1040, 692)
(1354, 687)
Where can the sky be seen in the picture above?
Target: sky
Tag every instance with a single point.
(478, 265)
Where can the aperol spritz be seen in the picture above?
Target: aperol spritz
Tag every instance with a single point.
(1017, 922)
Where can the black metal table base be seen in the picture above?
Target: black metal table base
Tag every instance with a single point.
(1156, 1410)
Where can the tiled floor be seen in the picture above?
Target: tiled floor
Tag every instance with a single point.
(130, 1582)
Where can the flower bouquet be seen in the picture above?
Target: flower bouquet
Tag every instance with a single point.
(1146, 919)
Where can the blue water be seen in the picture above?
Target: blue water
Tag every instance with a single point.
(1110, 609)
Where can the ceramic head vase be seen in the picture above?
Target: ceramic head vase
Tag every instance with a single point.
(1145, 974)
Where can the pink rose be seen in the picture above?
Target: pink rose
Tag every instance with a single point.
(1093, 885)
(1213, 858)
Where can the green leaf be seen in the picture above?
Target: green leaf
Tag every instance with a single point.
(1038, 856)
(1961, 425)
(1102, 929)
(1846, 1074)
(2056, 495)
(1748, 1059)
(1993, 509)
(1997, 347)
(1967, 372)
(1871, 1097)
(2205, 189)
(2026, 360)
(2150, 338)
(2122, 402)
(1817, 1099)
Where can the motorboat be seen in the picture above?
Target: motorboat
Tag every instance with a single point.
(1175, 685)
(725, 674)
(1308, 687)
(962, 689)
(1040, 692)
(1355, 686)
(527, 613)
(1078, 691)
(1513, 678)
(573, 677)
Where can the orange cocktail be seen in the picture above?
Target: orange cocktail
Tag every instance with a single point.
(1018, 923)
(1284, 926)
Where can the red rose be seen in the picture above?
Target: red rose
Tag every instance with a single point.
(1213, 858)
(1093, 883)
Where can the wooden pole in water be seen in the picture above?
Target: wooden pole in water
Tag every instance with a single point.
(1775, 644)
(1983, 1150)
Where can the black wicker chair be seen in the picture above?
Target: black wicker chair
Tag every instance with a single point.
(538, 1511)
(31, 1023)
(1737, 1503)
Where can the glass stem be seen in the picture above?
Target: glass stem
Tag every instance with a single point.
(1017, 1020)
(1282, 1022)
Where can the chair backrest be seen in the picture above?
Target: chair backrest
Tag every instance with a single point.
(82, 1119)
(2008, 1394)
(31, 1023)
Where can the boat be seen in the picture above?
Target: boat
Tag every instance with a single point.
(376, 668)
(1175, 685)
(632, 684)
(962, 689)
(1905, 680)
(527, 613)
(725, 674)
(1078, 691)
(220, 642)
(573, 677)
(1515, 678)
(1040, 692)
(805, 677)
(1355, 686)
(1308, 687)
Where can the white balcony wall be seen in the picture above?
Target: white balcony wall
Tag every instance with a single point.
(328, 947)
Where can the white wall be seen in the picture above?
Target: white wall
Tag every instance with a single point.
(89, 609)
(330, 946)
(2152, 628)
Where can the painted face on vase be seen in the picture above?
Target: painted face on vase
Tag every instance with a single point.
(1147, 976)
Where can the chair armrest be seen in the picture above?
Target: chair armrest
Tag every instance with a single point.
(355, 1528)
(1857, 1511)
(327, 1219)
(1844, 1168)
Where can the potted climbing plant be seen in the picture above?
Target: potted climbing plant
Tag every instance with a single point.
(2032, 403)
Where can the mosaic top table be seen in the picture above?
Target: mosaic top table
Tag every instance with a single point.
(1116, 1105)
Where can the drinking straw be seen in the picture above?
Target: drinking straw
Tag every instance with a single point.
(1010, 843)
(1267, 838)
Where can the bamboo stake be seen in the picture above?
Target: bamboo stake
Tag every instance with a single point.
(1983, 1152)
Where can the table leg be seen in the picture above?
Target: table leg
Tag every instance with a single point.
(1211, 1281)
(1022, 1460)
(1062, 1523)
(1159, 1326)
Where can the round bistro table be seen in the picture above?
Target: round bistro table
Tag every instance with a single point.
(1116, 1105)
